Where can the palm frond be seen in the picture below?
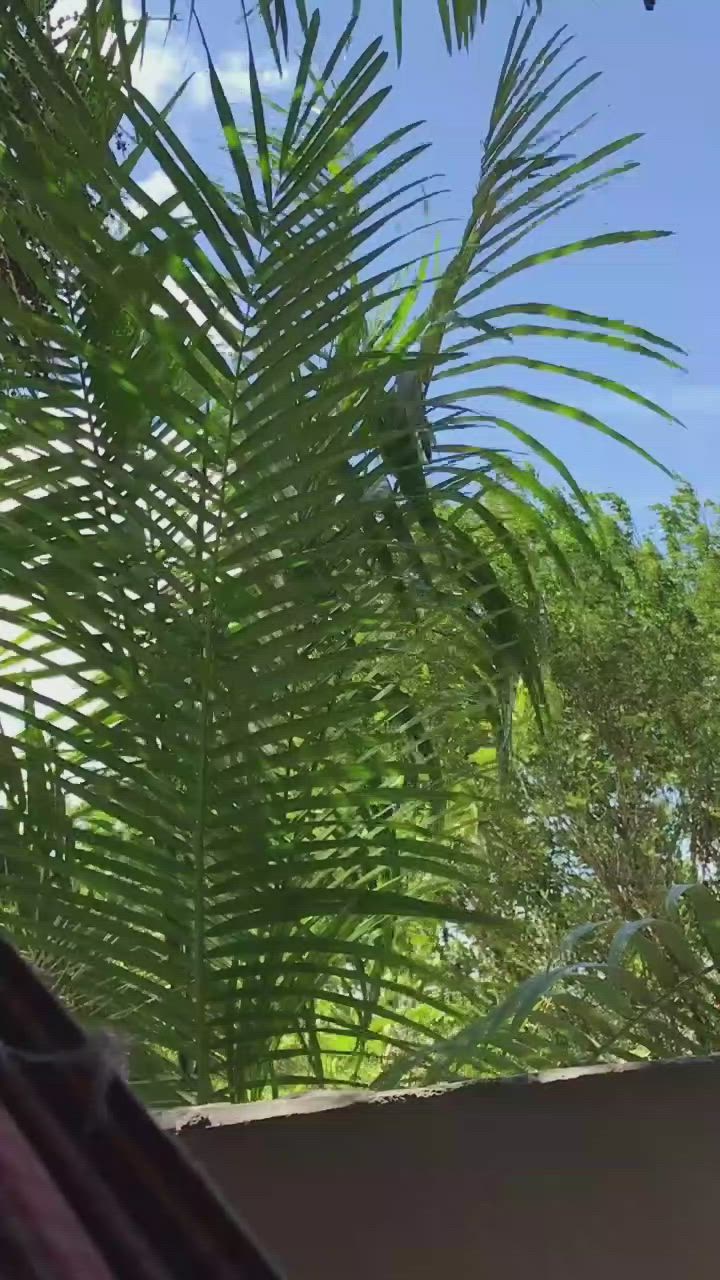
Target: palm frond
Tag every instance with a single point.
(646, 989)
(458, 21)
(216, 524)
(652, 993)
(209, 792)
(529, 175)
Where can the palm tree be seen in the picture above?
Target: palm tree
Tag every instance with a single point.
(220, 517)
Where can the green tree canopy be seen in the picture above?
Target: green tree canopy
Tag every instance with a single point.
(603, 836)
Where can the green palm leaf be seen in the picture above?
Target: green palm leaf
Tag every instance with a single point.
(217, 529)
(646, 989)
(459, 20)
(222, 815)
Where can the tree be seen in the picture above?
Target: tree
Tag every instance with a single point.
(218, 524)
(621, 786)
(628, 778)
(608, 811)
(641, 721)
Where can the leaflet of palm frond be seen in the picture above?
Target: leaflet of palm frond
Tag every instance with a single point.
(80, 74)
(511, 641)
(405, 555)
(409, 390)
(402, 454)
(458, 24)
(407, 714)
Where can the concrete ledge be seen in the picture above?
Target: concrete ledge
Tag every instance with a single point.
(609, 1171)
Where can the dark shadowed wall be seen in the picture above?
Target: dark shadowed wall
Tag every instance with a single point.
(598, 1176)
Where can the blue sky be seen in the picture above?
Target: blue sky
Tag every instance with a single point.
(660, 77)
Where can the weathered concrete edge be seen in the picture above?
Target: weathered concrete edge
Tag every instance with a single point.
(219, 1114)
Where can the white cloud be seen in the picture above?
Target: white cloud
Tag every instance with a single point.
(169, 57)
(165, 60)
(192, 308)
(160, 188)
(232, 70)
(160, 69)
(234, 74)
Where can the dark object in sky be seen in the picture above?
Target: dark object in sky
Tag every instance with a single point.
(90, 1186)
(649, 5)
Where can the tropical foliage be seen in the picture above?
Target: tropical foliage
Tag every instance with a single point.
(648, 988)
(608, 811)
(459, 20)
(228, 508)
(613, 799)
(629, 778)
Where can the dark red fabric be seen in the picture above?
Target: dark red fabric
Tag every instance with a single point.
(40, 1224)
(121, 1188)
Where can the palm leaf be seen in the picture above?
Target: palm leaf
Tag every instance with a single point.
(527, 177)
(217, 529)
(646, 989)
(220, 811)
(459, 20)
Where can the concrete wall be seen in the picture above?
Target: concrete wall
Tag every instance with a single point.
(612, 1174)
